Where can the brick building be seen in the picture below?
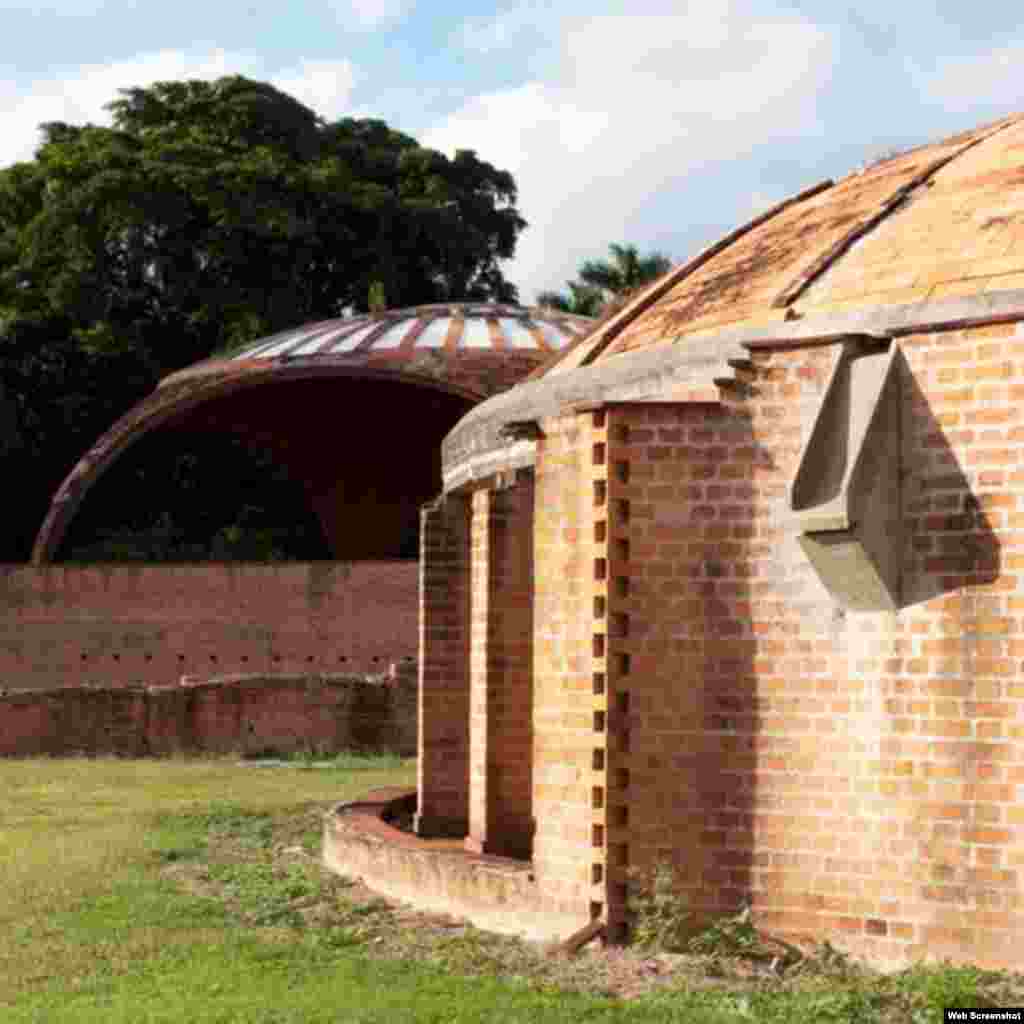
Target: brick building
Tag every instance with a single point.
(737, 581)
(356, 408)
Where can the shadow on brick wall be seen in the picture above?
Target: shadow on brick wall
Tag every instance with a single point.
(949, 541)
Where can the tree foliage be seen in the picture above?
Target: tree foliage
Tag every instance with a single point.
(601, 282)
(206, 215)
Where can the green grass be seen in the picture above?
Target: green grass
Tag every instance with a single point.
(147, 892)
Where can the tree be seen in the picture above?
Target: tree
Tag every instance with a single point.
(627, 270)
(209, 214)
(582, 300)
(212, 213)
(602, 282)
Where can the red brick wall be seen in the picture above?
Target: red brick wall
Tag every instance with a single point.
(853, 775)
(121, 626)
(501, 669)
(245, 715)
(562, 685)
(443, 761)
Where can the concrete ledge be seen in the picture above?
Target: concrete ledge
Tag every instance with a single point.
(495, 893)
(476, 447)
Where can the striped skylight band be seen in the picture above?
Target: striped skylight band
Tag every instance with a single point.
(434, 334)
(517, 334)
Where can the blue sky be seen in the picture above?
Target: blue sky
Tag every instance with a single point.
(661, 124)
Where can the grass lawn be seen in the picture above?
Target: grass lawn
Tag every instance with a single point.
(188, 891)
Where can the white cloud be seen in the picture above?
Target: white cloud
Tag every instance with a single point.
(367, 14)
(638, 102)
(488, 35)
(965, 83)
(79, 95)
(322, 85)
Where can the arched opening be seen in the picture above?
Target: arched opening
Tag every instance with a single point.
(351, 457)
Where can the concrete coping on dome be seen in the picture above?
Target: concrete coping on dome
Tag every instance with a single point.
(479, 445)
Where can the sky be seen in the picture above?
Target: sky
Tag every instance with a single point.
(658, 124)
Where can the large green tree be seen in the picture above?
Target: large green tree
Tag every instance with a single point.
(602, 282)
(213, 212)
(208, 214)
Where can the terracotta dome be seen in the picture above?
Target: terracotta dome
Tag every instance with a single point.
(935, 223)
(925, 239)
(314, 395)
(454, 331)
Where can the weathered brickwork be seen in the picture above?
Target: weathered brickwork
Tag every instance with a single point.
(854, 775)
(700, 698)
(563, 719)
(248, 715)
(443, 761)
(124, 626)
(501, 669)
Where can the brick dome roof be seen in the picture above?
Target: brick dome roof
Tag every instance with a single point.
(929, 239)
(465, 351)
(938, 222)
(450, 331)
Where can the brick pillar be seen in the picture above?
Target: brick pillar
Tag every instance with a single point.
(443, 747)
(611, 668)
(501, 669)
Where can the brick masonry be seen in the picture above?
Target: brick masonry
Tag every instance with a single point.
(115, 626)
(443, 755)
(247, 715)
(501, 654)
(699, 697)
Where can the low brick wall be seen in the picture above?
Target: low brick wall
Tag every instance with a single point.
(247, 714)
(126, 625)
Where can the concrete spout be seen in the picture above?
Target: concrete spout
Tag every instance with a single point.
(846, 492)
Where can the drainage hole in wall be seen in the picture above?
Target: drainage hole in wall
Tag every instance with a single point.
(149, 657)
(341, 657)
(276, 657)
(309, 658)
(117, 657)
(245, 658)
(85, 657)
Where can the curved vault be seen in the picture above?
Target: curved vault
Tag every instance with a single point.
(364, 442)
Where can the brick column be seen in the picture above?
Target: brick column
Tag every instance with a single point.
(501, 669)
(611, 668)
(443, 762)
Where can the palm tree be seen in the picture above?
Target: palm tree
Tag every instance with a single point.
(603, 283)
(581, 300)
(626, 271)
